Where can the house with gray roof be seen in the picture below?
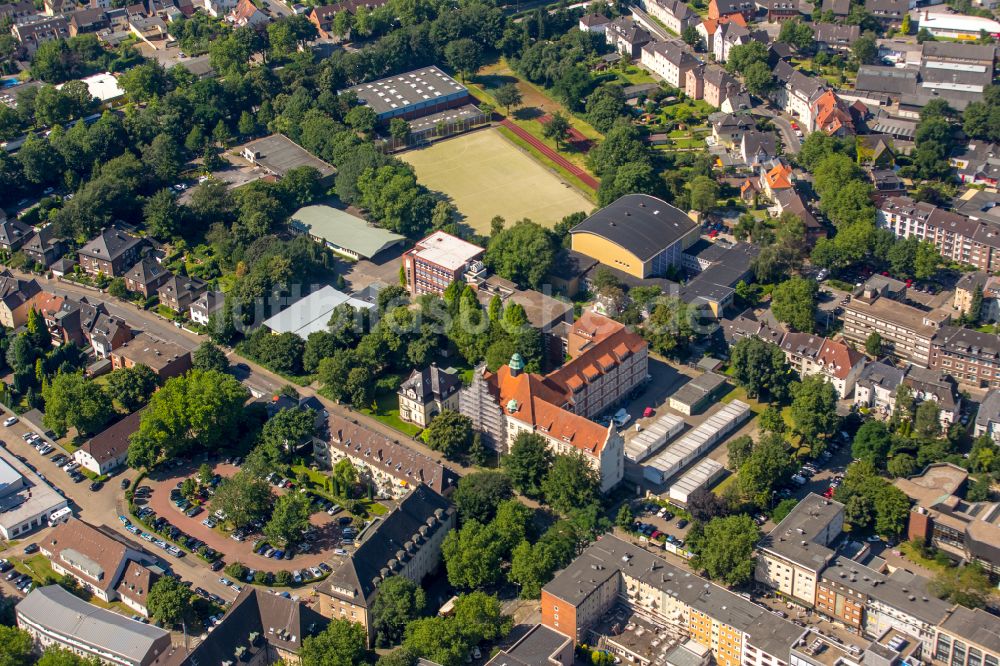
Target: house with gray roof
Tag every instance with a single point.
(56, 618)
(404, 542)
(988, 416)
(427, 392)
(835, 37)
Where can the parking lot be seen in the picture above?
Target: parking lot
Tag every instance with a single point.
(325, 538)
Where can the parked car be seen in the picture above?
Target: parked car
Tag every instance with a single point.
(9, 421)
(682, 523)
(31, 548)
(217, 565)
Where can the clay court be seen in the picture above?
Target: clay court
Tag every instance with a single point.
(486, 175)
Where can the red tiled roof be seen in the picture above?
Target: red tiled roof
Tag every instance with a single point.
(838, 358)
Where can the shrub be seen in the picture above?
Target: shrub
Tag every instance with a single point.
(283, 578)
(263, 578)
(236, 570)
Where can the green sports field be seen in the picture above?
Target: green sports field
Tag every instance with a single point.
(486, 175)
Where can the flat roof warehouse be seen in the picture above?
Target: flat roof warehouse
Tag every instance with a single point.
(397, 95)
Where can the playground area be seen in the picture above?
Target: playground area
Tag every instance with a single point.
(486, 175)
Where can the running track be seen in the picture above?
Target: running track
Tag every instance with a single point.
(584, 177)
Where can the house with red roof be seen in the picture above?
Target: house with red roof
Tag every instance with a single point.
(831, 116)
(835, 360)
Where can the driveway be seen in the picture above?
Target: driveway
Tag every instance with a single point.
(789, 139)
(232, 550)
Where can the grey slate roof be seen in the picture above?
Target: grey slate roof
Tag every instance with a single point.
(577, 581)
(989, 410)
(431, 382)
(641, 224)
(792, 538)
(419, 514)
(67, 615)
(110, 244)
(977, 626)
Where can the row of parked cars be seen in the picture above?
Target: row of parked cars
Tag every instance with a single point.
(162, 525)
(20, 581)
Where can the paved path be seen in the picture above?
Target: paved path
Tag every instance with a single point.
(552, 155)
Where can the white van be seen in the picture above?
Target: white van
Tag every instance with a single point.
(60, 516)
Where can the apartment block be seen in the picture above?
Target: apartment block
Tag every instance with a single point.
(797, 550)
(612, 572)
(971, 357)
(906, 330)
(440, 259)
(955, 236)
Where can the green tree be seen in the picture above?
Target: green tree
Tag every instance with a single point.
(289, 519)
(202, 408)
(557, 128)
(625, 518)
(72, 401)
(771, 420)
(691, 36)
(704, 193)
(507, 96)
(464, 56)
(478, 495)
(346, 475)
(902, 465)
(399, 602)
(403, 656)
(55, 656)
(283, 431)
(725, 548)
(169, 601)
(892, 510)
(362, 119)
(523, 253)
(163, 215)
(439, 639)
(571, 483)
(758, 78)
(873, 345)
(966, 585)
(473, 555)
(796, 33)
(17, 646)
(794, 303)
(759, 367)
(927, 419)
(481, 617)
(528, 463)
(872, 442)
(208, 356)
(744, 55)
(814, 409)
(768, 465)
(243, 497)
(342, 643)
(132, 387)
(399, 129)
(450, 433)
(865, 49)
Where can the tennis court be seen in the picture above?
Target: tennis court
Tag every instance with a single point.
(486, 175)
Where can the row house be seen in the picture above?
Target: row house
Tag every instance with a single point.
(746, 9)
(91, 19)
(779, 11)
(32, 33)
(83, 324)
(970, 356)
(719, 87)
(669, 60)
(889, 12)
(16, 296)
(728, 128)
(954, 236)
(626, 36)
(111, 252)
(146, 277)
(979, 164)
(831, 116)
(795, 93)
(44, 247)
(17, 11)
(879, 384)
(835, 37)
(676, 15)
(709, 28)
(732, 34)
(835, 360)
(178, 292)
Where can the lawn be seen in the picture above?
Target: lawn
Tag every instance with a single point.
(739, 393)
(484, 175)
(387, 412)
(38, 567)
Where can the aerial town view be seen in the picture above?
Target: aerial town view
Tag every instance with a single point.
(499, 332)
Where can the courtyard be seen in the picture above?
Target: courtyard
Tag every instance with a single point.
(485, 175)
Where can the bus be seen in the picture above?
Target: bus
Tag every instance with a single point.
(60, 516)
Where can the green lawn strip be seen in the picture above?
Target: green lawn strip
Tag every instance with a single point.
(739, 393)
(387, 411)
(911, 552)
(720, 488)
(563, 173)
(37, 566)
